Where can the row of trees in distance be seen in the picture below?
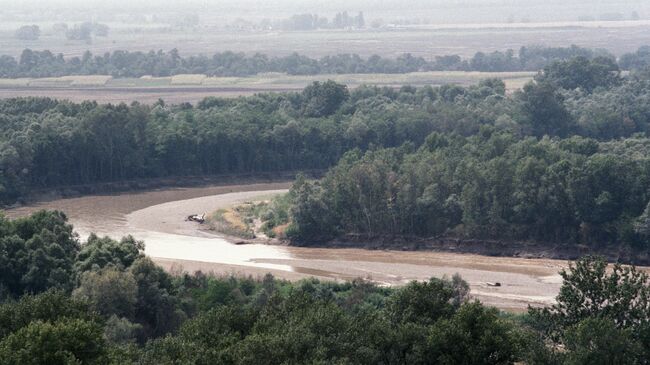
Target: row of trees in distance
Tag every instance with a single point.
(33, 63)
(83, 31)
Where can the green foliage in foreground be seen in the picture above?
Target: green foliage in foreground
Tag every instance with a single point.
(71, 341)
(602, 315)
(36, 253)
(117, 307)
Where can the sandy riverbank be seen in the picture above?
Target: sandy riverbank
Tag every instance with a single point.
(157, 217)
(170, 217)
(524, 281)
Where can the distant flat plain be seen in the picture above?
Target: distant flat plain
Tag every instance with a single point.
(426, 41)
(192, 88)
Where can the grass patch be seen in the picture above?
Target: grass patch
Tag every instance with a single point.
(275, 217)
(50, 82)
(14, 82)
(267, 218)
(188, 79)
(144, 81)
(89, 80)
(64, 81)
(278, 80)
(221, 81)
(230, 222)
(270, 81)
(516, 83)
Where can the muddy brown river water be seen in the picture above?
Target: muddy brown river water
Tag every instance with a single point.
(157, 217)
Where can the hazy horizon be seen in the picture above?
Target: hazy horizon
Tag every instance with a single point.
(435, 11)
(426, 28)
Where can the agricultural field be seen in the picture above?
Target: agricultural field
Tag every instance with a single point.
(425, 41)
(192, 88)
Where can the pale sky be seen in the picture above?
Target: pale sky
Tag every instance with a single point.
(438, 10)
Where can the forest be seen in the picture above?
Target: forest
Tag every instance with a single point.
(104, 302)
(563, 161)
(46, 143)
(574, 191)
(120, 64)
(550, 170)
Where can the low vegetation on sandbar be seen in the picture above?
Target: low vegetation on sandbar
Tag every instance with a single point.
(263, 219)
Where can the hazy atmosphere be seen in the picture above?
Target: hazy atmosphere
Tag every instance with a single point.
(325, 182)
(426, 28)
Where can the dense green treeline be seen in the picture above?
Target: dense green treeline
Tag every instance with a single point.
(46, 143)
(104, 302)
(554, 169)
(488, 186)
(136, 64)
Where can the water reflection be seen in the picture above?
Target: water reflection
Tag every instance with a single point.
(217, 250)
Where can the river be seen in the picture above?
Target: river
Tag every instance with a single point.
(157, 217)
